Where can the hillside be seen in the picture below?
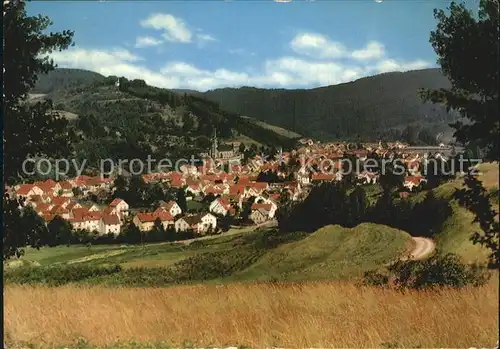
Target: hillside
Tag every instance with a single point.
(332, 252)
(133, 119)
(366, 107)
(65, 78)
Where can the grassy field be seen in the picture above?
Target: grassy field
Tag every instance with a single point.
(323, 314)
(279, 130)
(332, 252)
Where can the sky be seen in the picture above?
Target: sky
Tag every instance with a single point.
(203, 45)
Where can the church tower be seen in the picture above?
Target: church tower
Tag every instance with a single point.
(214, 154)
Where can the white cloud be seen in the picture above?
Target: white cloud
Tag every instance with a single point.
(174, 28)
(317, 45)
(205, 37)
(284, 72)
(321, 47)
(373, 50)
(147, 41)
(389, 65)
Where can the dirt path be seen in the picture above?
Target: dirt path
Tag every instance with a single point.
(423, 248)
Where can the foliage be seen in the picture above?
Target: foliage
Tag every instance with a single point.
(58, 275)
(42, 132)
(475, 197)
(21, 227)
(438, 270)
(458, 38)
(367, 108)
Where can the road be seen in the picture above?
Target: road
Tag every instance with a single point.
(232, 231)
(423, 248)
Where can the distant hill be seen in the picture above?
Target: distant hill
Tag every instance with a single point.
(133, 120)
(62, 78)
(365, 108)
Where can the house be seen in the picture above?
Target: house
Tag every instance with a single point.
(270, 207)
(110, 224)
(367, 177)
(121, 206)
(144, 221)
(322, 177)
(208, 220)
(165, 218)
(172, 207)
(93, 208)
(182, 224)
(221, 206)
(92, 220)
(66, 189)
(259, 216)
(412, 182)
(59, 210)
(303, 176)
(28, 190)
(193, 190)
(200, 223)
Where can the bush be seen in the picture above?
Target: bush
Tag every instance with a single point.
(437, 271)
(58, 275)
(375, 278)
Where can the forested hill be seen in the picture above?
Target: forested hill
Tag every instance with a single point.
(134, 120)
(367, 107)
(61, 78)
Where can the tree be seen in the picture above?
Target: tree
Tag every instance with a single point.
(241, 148)
(181, 199)
(157, 233)
(60, 232)
(358, 205)
(427, 137)
(465, 45)
(21, 228)
(467, 49)
(410, 134)
(27, 44)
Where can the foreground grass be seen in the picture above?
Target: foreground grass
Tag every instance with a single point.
(327, 314)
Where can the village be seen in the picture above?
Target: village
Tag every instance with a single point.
(237, 192)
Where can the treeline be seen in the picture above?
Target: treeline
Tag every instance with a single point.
(347, 204)
(363, 109)
(332, 203)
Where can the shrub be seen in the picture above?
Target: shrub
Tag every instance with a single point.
(439, 270)
(375, 278)
(58, 275)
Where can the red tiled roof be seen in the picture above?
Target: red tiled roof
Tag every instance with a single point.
(110, 219)
(413, 179)
(59, 200)
(169, 205)
(236, 189)
(24, 189)
(146, 217)
(256, 206)
(79, 212)
(115, 202)
(164, 216)
(322, 177)
(65, 185)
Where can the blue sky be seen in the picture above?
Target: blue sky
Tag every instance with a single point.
(210, 44)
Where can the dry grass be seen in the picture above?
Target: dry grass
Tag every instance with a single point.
(259, 315)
